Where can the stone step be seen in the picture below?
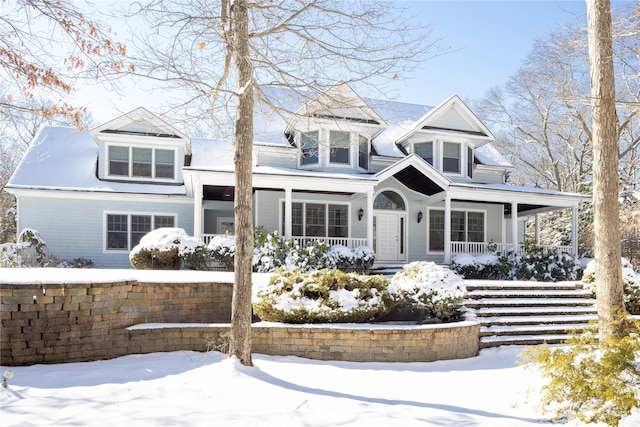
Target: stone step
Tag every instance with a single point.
(530, 293)
(542, 319)
(497, 341)
(473, 285)
(528, 302)
(546, 329)
(533, 311)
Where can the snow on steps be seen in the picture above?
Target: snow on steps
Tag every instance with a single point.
(528, 313)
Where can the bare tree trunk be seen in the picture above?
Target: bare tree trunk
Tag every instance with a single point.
(240, 344)
(609, 291)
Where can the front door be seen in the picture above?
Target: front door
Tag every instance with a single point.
(389, 234)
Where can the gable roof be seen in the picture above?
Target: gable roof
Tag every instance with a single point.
(139, 122)
(416, 174)
(453, 117)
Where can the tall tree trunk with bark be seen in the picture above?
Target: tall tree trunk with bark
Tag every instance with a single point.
(609, 291)
(240, 342)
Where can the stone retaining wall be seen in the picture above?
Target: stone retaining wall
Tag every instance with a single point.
(72, 322)
(53, 323)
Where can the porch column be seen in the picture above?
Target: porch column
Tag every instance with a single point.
(197, 208)
(574, 231)
(514, 226)
(369, 211)
(287, 213)
(537, 229)
(447, 229)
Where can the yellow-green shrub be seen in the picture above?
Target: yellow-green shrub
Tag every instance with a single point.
(593, 379)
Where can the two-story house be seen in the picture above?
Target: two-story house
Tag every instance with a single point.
(411, 181)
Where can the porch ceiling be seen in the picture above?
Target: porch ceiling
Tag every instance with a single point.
(415, 180)
(227, 193)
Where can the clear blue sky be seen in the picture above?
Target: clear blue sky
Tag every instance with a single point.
(491, 39)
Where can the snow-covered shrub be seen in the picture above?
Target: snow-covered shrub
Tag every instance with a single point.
(489, 266)
(535, 264)
(341, 257)
(165, 249)
(428, 289)
(310, 257)
(630, 284)
(30, 250)
(364, 257)
(546, 266)
(222, 249)
(322, 296)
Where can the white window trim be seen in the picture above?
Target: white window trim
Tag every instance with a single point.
(153, 163)
(129, 214)
(466, 211)
(281, 213)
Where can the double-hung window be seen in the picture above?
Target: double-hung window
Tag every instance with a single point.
(424, 150)
(318, 219)
(124, 231)
(137, 162)
(339, 147)
(309, 148)
(451, 157)
(363, 152)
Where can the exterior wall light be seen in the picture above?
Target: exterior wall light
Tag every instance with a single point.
(360, 214)
(419, 217)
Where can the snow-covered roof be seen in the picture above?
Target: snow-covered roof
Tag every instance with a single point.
(62, 158)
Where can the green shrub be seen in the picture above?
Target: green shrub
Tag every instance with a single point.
(165, 248)
(323, 296)
(222, 250)
(592, 379)
(155, 259)
(536, 263)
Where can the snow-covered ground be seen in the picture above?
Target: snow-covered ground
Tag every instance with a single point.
(208, 389)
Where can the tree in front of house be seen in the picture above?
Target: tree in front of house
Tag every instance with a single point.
(221, 54)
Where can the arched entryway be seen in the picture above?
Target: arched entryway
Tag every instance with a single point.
(389, 227)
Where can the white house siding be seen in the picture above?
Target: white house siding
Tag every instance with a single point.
(276, 157)
(487, 177)
(73, 227)
(213, 210)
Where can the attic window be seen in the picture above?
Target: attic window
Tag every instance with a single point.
(451, 157)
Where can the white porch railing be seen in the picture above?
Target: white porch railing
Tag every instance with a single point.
(474, 248)
(344, 241)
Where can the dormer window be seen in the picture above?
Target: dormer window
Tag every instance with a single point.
(451, 157)
(470, 162)
(363, 152)
(309, 148)
(424, 150)
(339, 147)
(138, 162)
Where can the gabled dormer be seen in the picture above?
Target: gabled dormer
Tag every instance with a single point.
(334, 131)
(446, 138)
(139, 146)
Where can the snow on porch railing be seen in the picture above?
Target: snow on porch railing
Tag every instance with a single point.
(344, 241)
(476, 248)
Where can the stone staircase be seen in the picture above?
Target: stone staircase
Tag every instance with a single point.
(528, 313)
